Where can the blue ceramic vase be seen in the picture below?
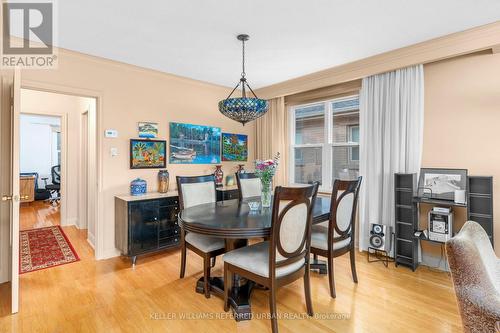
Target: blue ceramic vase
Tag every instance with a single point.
(138, 187)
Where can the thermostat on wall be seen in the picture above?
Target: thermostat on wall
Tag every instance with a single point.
(111, 133)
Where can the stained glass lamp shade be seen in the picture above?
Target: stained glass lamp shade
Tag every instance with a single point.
(243, 109)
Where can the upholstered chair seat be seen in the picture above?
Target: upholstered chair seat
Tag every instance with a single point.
(204, 243)
(319, 238)
(282, 259)
(193, 191)
(255, 258)
(475, 270)
(339, 230)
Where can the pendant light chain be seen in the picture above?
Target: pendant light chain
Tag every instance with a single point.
(243, 52)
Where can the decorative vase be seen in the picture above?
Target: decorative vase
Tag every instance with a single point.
(138, 186)
(218, 175)
(265, 196)
(163, 181)
(241, 168)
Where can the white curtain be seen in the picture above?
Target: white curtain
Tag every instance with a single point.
(391, 134)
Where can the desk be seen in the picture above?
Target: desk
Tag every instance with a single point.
(27, 188)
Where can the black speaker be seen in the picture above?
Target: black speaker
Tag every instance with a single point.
(380, 237)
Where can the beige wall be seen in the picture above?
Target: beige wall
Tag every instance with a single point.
(462, 118)
(128, 95)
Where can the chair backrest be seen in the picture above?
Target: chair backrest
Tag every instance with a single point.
(195, 190)
(249, 185)
(291, 225)
(55, 172)
(343, 210)
(476, 278)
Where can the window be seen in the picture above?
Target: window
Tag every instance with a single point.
(56, 146)
(325, 141)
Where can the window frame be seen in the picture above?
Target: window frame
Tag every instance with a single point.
(327, 145)
(351, 141)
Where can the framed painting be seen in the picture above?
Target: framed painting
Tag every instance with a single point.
(194, 144)
(147, 130)
(234, 147)
(147, 154)
(436, 183)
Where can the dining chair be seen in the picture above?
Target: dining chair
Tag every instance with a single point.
(335, 237)
(249, 185)
(285, 257)
(197, 190)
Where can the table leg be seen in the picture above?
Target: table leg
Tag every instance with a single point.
(320, 265)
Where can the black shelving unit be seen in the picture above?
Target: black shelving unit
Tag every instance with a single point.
(480, 202)
(406, 245)
(479, 209)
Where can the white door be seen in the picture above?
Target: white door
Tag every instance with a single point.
(13, 197)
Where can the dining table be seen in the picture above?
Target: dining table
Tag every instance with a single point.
(236, 223)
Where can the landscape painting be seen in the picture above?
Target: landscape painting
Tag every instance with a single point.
(194, 144)
(146, 154)
(441, 183)
(234, 147)
(147, 130)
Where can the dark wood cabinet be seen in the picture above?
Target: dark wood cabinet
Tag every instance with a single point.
(149, 223)
(146, 225)
(227, 193)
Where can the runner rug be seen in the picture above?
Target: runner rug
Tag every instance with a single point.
(43, 248)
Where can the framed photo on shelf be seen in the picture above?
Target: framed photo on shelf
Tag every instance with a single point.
(437, 183)
(148, 154)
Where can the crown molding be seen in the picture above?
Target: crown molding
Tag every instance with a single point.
(465, 42)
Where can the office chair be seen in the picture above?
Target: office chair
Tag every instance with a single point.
(55, 187)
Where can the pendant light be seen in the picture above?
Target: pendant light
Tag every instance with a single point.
(243, 109)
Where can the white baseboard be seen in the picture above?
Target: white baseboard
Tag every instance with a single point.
(71, 221)
(91, 239)
(109, 253)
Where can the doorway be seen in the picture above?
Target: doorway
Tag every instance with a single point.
(40, 170)
(55, 152)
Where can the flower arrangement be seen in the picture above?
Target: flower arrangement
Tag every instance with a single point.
(266, 170)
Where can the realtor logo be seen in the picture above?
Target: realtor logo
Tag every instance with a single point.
(28, 35)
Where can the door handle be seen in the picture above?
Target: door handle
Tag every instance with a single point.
(7, 198)
(25, 197)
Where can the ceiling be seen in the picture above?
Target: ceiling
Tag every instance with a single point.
(288, 38)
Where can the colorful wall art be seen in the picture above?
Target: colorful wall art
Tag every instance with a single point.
(147, 130)
(234, 147)
(194, 144)
(147, 154)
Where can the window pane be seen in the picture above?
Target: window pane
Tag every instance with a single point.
(354, 131)
(310, 124)
(345, 162)
(345, 118)
(308, 165)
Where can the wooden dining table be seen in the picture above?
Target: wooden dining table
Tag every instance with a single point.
(236, 223)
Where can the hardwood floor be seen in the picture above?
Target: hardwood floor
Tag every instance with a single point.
(110, 296)
(38, 214)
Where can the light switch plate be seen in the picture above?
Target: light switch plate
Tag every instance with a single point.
(113, 151)
(111, 133)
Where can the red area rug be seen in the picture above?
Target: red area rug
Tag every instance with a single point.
(43, 248)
